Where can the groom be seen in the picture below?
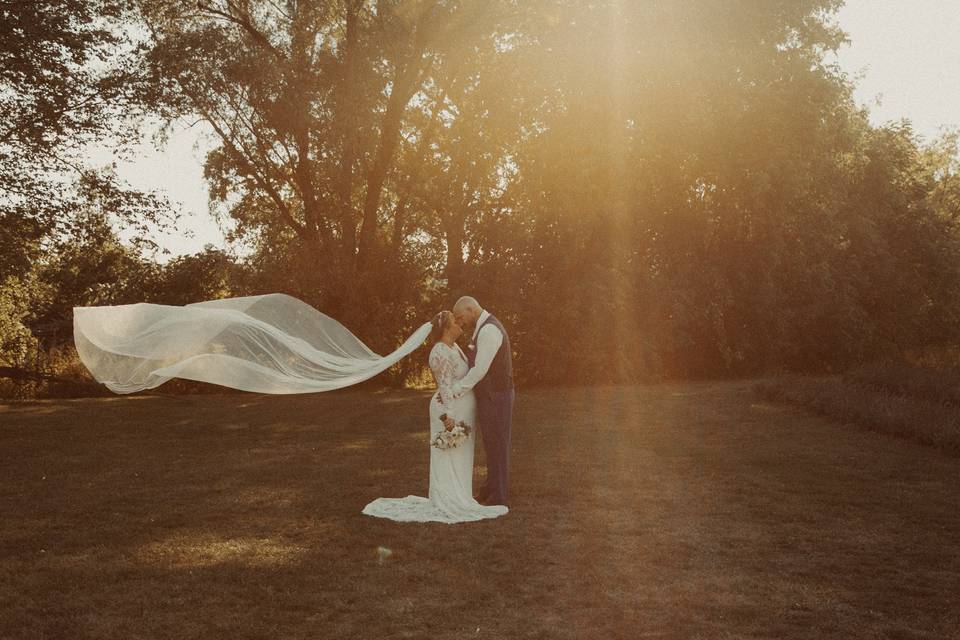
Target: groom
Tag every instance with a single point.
(491, 378)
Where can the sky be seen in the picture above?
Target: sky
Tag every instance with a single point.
(905, 55)
(909, 54)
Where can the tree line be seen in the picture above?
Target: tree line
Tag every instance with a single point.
(639, 190)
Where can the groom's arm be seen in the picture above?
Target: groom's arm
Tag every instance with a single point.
(488, 342)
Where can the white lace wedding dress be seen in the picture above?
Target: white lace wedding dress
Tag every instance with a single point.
(450, 496)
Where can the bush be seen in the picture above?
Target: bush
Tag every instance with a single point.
(903, 379)
(898, 399)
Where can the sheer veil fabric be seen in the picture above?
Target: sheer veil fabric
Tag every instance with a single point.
(272, 343)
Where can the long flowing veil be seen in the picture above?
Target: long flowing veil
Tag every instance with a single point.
(267, 344)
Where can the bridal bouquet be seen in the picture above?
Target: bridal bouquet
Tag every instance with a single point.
(452, 434)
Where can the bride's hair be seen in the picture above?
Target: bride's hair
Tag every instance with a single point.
(440, 323)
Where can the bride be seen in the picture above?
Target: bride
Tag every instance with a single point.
(450, 495)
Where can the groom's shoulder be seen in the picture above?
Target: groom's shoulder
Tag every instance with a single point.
(495, 321)
(493, 325)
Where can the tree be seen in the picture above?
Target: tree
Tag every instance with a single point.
(680, 188)
(64, 82)
(314, 104)
(210, 274)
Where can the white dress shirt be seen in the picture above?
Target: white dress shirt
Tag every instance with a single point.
(487, 340)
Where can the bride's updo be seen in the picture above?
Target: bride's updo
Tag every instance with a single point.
(440, 323)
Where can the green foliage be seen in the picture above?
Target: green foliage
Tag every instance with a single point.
(640, 190)
(20, 350)
(208, 275)
(18, 346)
(65, 82)
(724, 210)
(88, 267)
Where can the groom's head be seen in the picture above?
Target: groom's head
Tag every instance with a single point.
(466, 312)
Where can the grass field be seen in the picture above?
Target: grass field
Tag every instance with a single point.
(667, 511)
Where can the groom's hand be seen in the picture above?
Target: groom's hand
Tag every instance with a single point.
(456, 391)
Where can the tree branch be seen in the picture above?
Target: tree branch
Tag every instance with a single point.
(262, 181)
(245, 22)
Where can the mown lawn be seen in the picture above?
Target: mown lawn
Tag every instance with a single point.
(667, 511)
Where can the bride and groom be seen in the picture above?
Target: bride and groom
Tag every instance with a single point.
(277, 344)
(476, 388)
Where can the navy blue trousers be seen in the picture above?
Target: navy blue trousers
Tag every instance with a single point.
(495, 415)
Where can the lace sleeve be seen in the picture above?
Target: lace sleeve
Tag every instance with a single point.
(443, 365)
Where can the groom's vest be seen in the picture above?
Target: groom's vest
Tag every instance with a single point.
(500, 374)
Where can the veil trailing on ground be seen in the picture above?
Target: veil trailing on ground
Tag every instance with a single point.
(267, 344)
